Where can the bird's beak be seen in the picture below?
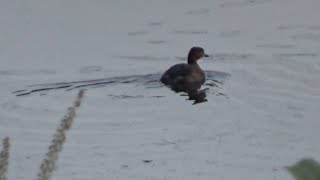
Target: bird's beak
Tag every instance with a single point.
(206, 55)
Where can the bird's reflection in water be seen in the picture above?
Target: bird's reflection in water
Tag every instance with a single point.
(198, 96)
(214, 80)
(193, 92)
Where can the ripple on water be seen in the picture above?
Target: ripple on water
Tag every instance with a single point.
(142, 57)
(191, 32)
(214, 79)
(200, 11)
(243, 3)
(27, 72)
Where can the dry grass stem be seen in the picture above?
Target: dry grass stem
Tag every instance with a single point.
(49, 163)
(4, 158)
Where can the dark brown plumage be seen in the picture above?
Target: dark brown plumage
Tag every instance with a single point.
(186, 76)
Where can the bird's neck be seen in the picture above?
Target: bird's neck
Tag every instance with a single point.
(191, 61)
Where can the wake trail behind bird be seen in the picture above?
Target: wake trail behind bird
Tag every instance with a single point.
(214, 79)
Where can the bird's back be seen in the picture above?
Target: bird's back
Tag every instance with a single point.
(174, 73)
(184, 76)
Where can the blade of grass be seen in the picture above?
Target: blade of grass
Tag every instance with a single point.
(4, 158)
(49, 162)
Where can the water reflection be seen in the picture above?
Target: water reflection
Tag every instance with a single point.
(215, 80)
(192, 91)
(198, 96)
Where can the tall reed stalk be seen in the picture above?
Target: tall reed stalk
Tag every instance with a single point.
(4, 158)
(49, 162)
